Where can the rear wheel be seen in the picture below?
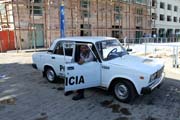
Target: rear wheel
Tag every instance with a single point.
(124, 91)
(50, 75)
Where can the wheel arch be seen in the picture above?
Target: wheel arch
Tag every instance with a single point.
(46, 67)
(123, 80)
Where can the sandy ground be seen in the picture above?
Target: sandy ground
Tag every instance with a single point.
(26, 95)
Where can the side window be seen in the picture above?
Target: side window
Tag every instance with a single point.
(59, 49)
(68, 47)
(84, 52)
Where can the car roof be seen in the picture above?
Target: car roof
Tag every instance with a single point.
(92, 39)
(86, 38)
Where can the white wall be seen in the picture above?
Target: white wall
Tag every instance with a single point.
(166, 24)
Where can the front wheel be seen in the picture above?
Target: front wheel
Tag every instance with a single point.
(124, 91)
(50, 75)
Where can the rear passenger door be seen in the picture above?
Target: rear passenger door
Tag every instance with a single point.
(58, 60)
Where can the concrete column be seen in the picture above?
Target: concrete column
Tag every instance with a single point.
(157, 32)
(165, 32)
(164, 35)
(172, 35)
(173, 31)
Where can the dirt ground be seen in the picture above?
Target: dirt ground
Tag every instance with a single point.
(26, 95)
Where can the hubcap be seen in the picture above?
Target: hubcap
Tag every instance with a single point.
(50, 75)
(121, 91)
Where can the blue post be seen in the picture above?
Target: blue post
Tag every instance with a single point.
(62, 21)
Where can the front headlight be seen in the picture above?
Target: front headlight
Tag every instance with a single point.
(153, 77)
(156, 75)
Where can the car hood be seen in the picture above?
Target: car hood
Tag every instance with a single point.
(142, 64)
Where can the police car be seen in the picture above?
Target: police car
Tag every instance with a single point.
(112, 68)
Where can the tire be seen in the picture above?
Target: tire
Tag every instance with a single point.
(50, 75)
(124, 91)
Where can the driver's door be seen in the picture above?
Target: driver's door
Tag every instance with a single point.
(82, 76)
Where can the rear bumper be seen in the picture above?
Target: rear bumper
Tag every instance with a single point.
(156, 84)
(34, 66)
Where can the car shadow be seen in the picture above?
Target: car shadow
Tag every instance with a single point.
(17, 75)
(167, 95)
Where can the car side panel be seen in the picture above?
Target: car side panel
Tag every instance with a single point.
(120, 72)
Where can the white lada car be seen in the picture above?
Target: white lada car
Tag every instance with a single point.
(112, 68)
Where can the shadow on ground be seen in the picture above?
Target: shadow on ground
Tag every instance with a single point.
(24, 87)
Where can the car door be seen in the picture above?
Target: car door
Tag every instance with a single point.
(57, 59)
(79, 76)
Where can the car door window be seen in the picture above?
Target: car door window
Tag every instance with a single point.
(84, 51)
(69, 50)
(59, 49)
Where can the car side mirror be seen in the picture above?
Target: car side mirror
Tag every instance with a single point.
(50, 51)
(95, 59)
(129, 50)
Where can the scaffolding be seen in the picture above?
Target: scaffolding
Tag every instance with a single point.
(106, 11)
(24, 22)
(115, 18)
(6, 25)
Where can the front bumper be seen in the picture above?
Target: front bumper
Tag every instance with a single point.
(151, 87)
(34, 66)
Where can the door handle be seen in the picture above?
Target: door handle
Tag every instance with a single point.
(53, 58)
(70, 68)
(105, 67)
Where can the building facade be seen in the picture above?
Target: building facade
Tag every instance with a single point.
(36, 23)
(116, 18)
(166, 17)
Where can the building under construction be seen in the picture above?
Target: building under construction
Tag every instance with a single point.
(36, 23)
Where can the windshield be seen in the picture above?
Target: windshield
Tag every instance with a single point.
(110, 49)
